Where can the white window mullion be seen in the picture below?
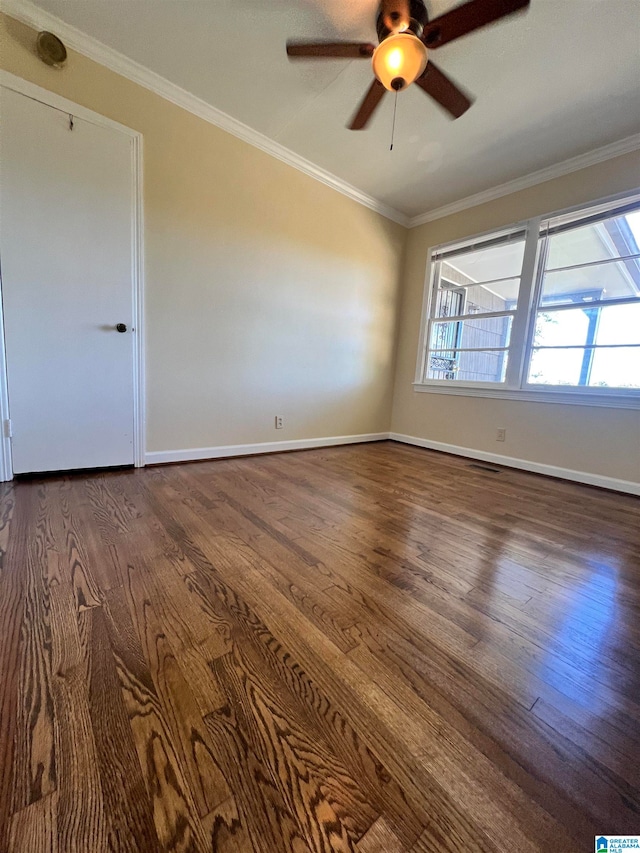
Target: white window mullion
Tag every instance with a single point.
(517, 363)
(575, 306)
(477, 315)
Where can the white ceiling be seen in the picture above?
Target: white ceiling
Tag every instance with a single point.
(556, 82)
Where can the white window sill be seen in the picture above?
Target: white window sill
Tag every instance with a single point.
(576, 398)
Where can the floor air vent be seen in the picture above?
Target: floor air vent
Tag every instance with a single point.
(485, 468)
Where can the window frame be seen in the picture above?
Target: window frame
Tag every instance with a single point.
(495, 236)
(516, 385)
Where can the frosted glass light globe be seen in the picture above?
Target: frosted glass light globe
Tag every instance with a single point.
(399, 60)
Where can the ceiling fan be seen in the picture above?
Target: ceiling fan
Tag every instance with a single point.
(401, 58)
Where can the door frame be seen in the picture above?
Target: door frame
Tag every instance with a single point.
(37, 93)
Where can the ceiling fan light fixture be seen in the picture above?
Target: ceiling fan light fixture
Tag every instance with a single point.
(399, 60)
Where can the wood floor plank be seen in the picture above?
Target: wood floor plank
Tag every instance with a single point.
(158, 563)
(198, 583)
(94, 570)
(315, 784)
(127, 805)
(440, 836)
(217, 540)
(283, 566)
(490, 629)
(406, 728)
(360, 648)
(196, 662)
(77, 566)
(35, 828)
(180, 712)
(35, 753)
(81, 818)
(226, 515)
(339, 719)
(380, 838)
(7, 506)
(18, 507)
(597, 743)
(342, 567)
(174, 811)
(550, 770)
(225, 829)
(363, 520)
(269, 823)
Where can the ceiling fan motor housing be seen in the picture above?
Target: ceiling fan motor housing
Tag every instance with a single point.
(418, 15)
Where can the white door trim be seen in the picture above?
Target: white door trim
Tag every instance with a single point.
(24, 87)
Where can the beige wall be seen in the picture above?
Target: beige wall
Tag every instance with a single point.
(266, 292)
(582, 438)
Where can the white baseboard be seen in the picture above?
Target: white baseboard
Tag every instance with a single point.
(195, 453)
(201, 453)
(512, 462)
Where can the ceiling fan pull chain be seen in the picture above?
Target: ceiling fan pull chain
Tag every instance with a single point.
(393, 126)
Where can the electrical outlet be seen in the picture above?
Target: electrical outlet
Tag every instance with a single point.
(501, 435)
(278, 422)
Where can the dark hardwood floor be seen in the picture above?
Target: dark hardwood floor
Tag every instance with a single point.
(374, 648)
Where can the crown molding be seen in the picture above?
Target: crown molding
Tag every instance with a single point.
(582, 161)
(32, 15)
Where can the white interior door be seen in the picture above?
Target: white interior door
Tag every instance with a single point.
(66, 254)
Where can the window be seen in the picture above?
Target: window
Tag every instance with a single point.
(552, 305)
(587, 324)
(476, 289)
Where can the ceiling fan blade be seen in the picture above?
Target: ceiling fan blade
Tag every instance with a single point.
(467, 18)
(443, 90)
(368, 105)
(330, 50)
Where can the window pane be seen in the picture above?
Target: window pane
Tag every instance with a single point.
(603, 368)
(480, 282)
(483, 333)
(619, 324)
(503, 261)
(616, 368)
(610, 324)
(561, 328)
(611, 238)
(450, 301)
(619, 280)
(477, 366)
(603, 341)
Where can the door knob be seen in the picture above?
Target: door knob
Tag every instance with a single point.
(121, 327)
